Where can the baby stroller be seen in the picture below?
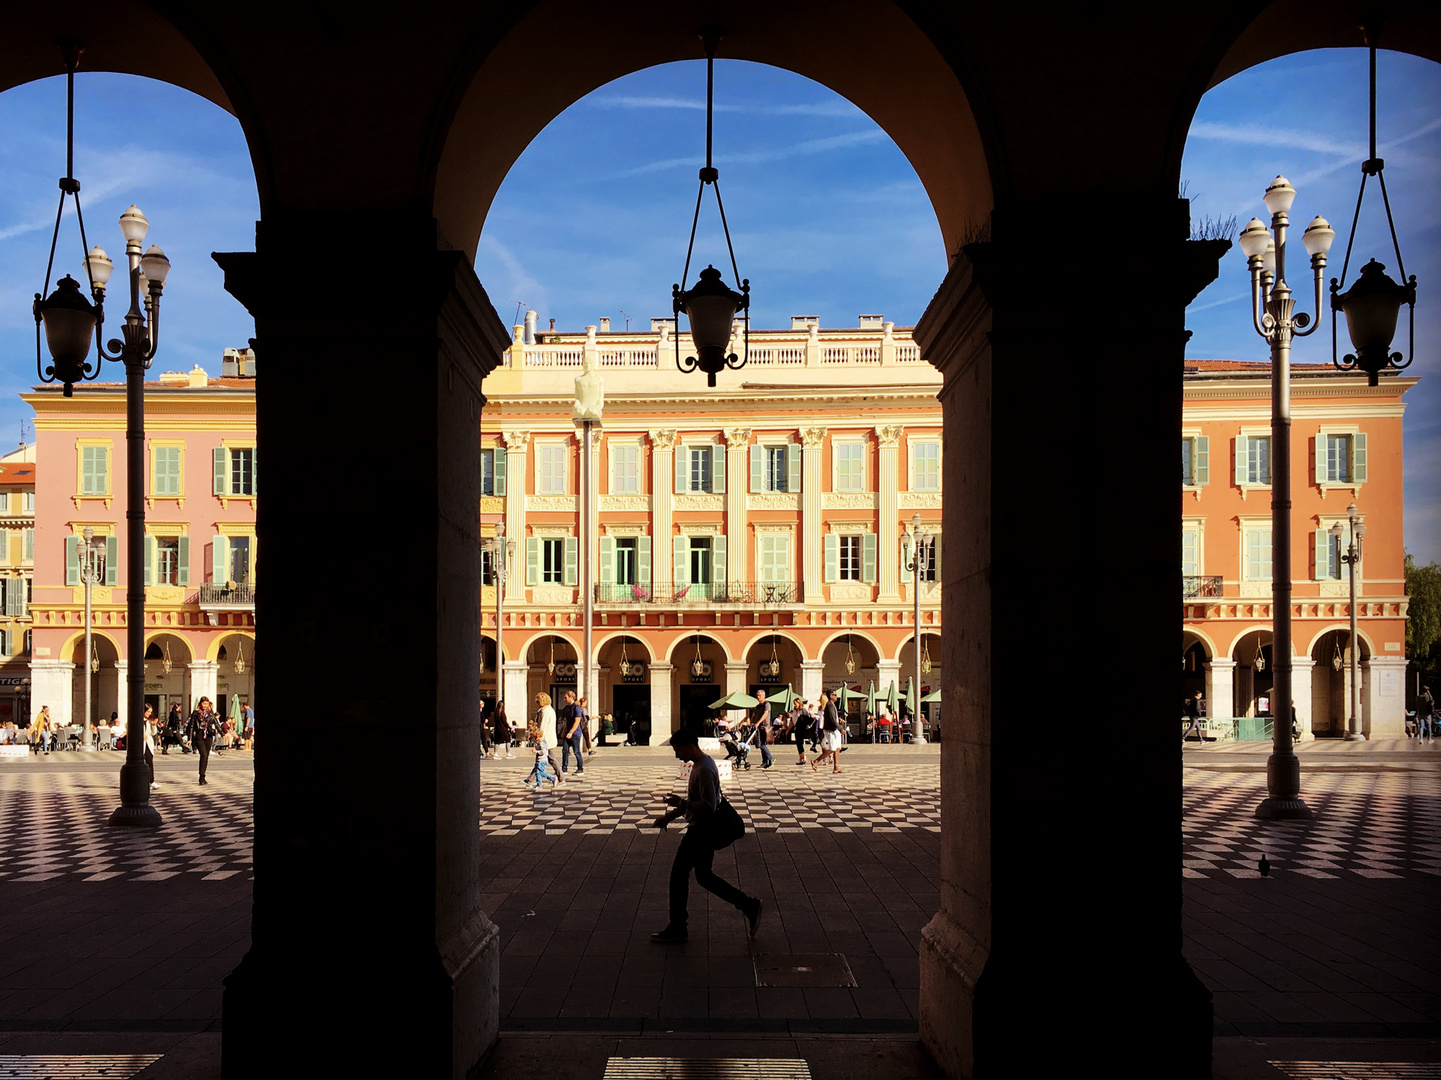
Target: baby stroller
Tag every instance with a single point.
(742, 745)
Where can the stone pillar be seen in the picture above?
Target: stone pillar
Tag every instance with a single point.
(887, 672)
(354, 840)
(812, 675)
(812, 568)
(736, 676)
(738, 483)
(204, 682)
(52, 682)
(662, 499)
(517, 697)
(1383, 697)
(888, 519)
(660, 702)
(516, 453)
(995, 938)
(1301, 691)
(122, 701)
(1221, 687)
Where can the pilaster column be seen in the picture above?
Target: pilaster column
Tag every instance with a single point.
(811, 679)
(660, 703)
(738, 483)
(662, 501)
(1302, 668)
(408, 844)
(888, 523)
(516, 674)
(736, 676)
(812, 571)
(1383, 697)
(204, 681)
(516, 453)
(887, 672)
(52, 682)
(122, 702)
(1221, 687)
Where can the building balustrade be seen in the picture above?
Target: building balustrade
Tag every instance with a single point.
(666, 594)
(226, 596)
(1201, 586)
(870, 348)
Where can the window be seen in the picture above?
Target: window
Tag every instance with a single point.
(1341, 458)
(109, 560)
(165, 471)
(1190, 553)
(1328, 556)
(28, 551)
(700, 560)
(552, 560)
(699, 469)
(235, 471)
(1258, 553)
(1253, 459)
(487, 566)
(167, 561)
(492, 471)
(775, 558)
(930, 558)
(850, 466)
(776, 468)
(626, 560)
(925, 465)
(550, 469)
(1195, 460)
(700, 565)
(624, 469)
(850, 557)
(15, 596)
(94, 470)
(28, 503)
(552, 570)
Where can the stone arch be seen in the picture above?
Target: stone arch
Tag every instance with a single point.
(1201, 638)
(158, 637)
(524, 651)
(716, 639)
(853, 633)
(212, 649)
(629, 634)
(926, 632)
(1368, 647)
(781, 634)
(498, 110)
(75, 639)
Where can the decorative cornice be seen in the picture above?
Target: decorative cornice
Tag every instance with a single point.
(698, 502)
(889, 435)
(616, 503)
(737, 438)
(555, 503)
(774, 500)
(663, 438)
(516, 440)
(812, 438)
(848, 500)
(920, 500)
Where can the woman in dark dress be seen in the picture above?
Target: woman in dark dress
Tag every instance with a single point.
(501, 732)
(801, 729)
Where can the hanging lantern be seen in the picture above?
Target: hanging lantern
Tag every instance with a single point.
(1336, 660)
(850, 657)
(550, 667)
(771, 669)
(165, 664)
(1259, 660)
(94, 661)
(697, 666)
(925, 657)
(240, 659)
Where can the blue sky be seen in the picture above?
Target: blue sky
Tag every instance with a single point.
(827, 216)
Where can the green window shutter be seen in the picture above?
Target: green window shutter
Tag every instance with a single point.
(1201, 464)
(28, 551)
(102, 468)
(112, 560)
(5, 643)
(183, 575)
(1318, 456)
(1240, 459)
(532, 560)
(682, 469)
(72, 560)
(758, 468)
(642, 560)
(570, 575)
(717, 469)
(1358, 458)
(1321, 554)
(220, 560)
(220, 458)
(936, 540)
(607, 560)
(833, 557)
(254, 471)
(793, 466)
(682, 562)
(718, 566)
(868, 558)
(150, 560)
(499, 459)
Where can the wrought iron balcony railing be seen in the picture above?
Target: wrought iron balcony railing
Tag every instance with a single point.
(220, 594)
(728, 592)
(1201, 587)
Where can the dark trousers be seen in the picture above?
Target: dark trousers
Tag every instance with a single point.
(569, 744)
(202, 747)
(695, 853)
(150, 764)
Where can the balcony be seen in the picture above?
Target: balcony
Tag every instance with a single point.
(777, 594)
(219, 597)
(1201, 587)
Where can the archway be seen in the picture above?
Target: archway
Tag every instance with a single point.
(234, 656)
(169, 676)
(700, 667)
(1196, 672)
(1330, 687)
(624, 663)
(933, 674)
(103, 676)
(854, 661)
(552, 666)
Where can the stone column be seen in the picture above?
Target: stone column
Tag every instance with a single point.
(516, 453)
(355, 840)
(996, 938)
(738, 483)
(517, 691)
(736, 676)
(888, 671)
(812, 675)
(122, 702)
(52, 682)
(662, 499)
(1301, 691)
(1221, 687)
(660, 702)
(204, 681)
(1383, 697)
(888, 522)
(812, 568)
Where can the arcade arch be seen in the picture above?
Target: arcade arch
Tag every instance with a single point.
(1330, 688)
(104, 676)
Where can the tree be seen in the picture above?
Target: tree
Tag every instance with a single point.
(1423, 619)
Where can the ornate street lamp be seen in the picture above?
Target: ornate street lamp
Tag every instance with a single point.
(914, 549)
(90, 576)
(501, 551)
(1274, 316)
(1373, 303)
(1350, 557)
(711, 305)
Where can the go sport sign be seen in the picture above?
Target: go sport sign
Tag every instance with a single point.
(564, 671)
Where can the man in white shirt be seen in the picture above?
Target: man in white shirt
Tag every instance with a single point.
(696, 851)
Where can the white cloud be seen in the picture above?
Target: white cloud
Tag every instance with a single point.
(839, 109)
(759, 157)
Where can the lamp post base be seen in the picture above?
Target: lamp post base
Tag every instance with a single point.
(145, 815)
(1354, 736)
(1284, 808)
(135, 808)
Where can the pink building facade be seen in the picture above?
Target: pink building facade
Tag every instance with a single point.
(200, 564)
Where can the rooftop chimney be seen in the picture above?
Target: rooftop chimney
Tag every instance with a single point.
(604, 325)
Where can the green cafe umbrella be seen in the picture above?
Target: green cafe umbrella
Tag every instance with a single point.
(782, 699)
(934, 695)
(911, 696)
(736, 700)
(893, 699)
(871, 698)
(845, 695)
(235, 710)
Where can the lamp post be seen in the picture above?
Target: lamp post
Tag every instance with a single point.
(500, 552)
(1351, 556)
(89, 577)
(915, 552)
(589, 403)
(1274, 316)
